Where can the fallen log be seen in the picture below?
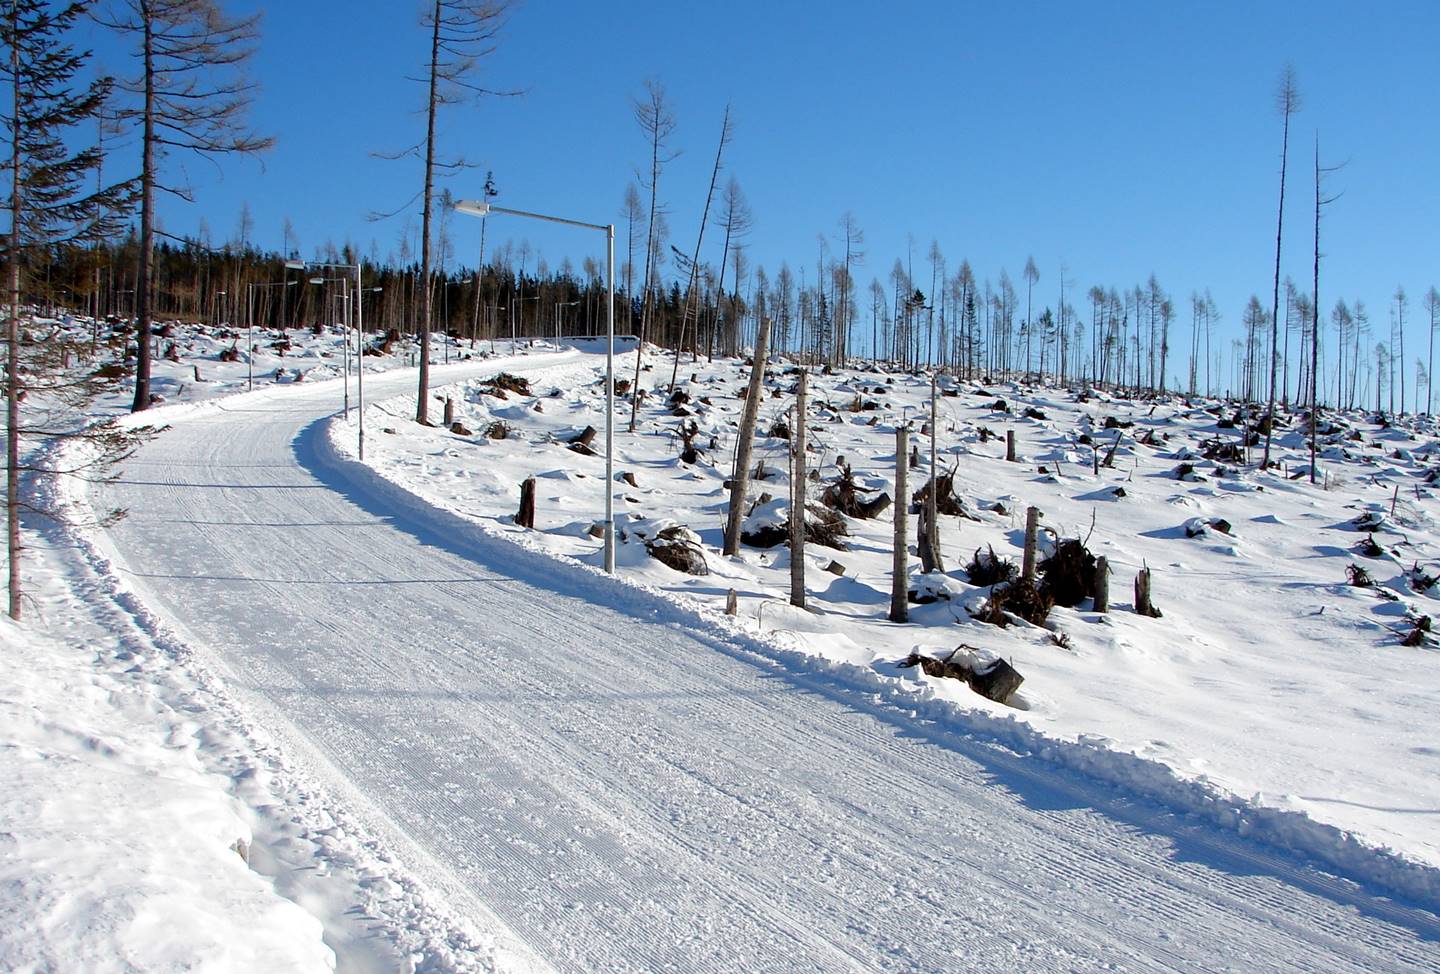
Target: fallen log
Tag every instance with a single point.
(996, 680)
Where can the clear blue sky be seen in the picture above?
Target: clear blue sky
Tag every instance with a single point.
(1115, 138)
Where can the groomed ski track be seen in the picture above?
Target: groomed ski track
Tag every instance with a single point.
(628, 792)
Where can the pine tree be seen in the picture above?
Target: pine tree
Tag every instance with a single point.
(48, 205)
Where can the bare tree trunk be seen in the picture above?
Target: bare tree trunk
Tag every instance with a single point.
(899, 575)
(12, 360)
(691, 296)
(1315, 317)
(797, 496)
(932, 517)
(740, 479)
(147, 233)
(1275, 303)
(422, 398)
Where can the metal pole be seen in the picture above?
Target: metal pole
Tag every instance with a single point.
(345, 344)
(250, 335)
(610, 400)
(360, 360)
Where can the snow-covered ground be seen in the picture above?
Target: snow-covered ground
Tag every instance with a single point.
(207, 698)
(1270, 684)
(147, 821)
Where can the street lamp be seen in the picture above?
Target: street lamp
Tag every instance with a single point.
(483, 208)
(360, 291)
(250, 330)
(558, 306)
(344, 342)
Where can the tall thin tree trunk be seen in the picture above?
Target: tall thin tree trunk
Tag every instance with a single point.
(147, 225)
(422, 398)
(1315, 316)
(691, 295)
(740, 479)
(12, 350)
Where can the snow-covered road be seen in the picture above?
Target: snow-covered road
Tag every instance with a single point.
(627, 792)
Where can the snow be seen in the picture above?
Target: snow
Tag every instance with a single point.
(448, 744)
(1269, 686)
(148, 821)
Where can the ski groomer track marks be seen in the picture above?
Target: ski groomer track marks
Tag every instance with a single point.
(627, 794)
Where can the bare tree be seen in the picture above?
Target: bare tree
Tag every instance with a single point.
(1402, 302)
(633, 212)
(1320, 202)
(736, 221)
(1287, 98)
(854, 237)
(193, 97)
(657, 122)
(461, 33)
(1432, 305)
(692, 288)
(1032, 275)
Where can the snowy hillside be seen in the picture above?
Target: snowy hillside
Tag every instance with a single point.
(1269, 678)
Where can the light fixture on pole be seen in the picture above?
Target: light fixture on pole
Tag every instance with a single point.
(345, 341)
(483, 208)
(558, 306)
(250, 328)
(357, 268)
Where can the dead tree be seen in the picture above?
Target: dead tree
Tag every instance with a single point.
(1287, 98)
(740, 479)
(653, 115)
(180, 45)
(900, 582)
(693, 288)
(797, 497)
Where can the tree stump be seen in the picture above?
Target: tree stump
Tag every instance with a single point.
(581, 443)
(1102, 584)
(449, 412)
(526, 517)
(1143, 606)
(1010, 446)
(1032, 529)
(732, 603)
